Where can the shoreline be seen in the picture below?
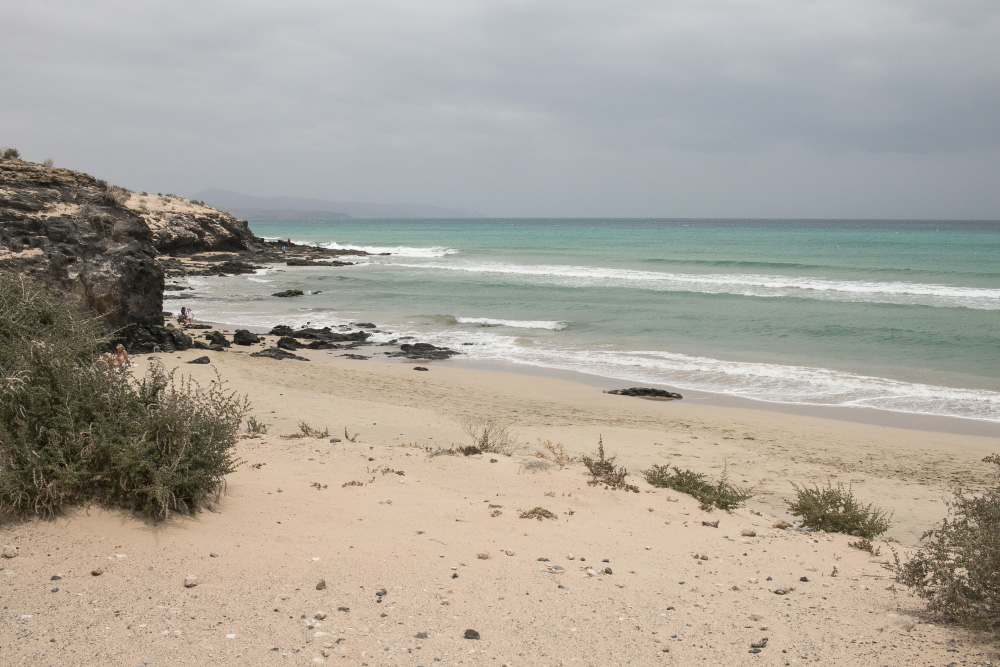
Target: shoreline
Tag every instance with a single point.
(850, 414)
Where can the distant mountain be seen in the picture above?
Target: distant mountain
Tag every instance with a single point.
(252, 207)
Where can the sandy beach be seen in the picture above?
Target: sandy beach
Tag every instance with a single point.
(378, 552)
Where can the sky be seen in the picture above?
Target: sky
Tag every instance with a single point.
(523, 108)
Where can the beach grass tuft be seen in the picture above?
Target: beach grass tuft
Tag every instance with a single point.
(957, 568)
(835, 509)
(722, 494)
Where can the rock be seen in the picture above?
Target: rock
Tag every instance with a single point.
(289, 292)
(471, 634)
(805, 579)
(190, 581)
(55, 577)
(97, 571)
(9, 551)
(607, 570)
(421, 635)
(321, 586)
(711, 524)
(381, 592)
(282, 330)
(781, 524)
(781, 590)
(319, 615)
(200, 360)
(748, 532)
(244, 337)
(419, 368)
(761, 644)
(217, 338)
(646, 392)
(289, 343)
(423, 351)
(275, 353)
(896, 623)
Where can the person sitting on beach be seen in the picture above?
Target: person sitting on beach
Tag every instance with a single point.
(190, 316)
(121, 357)
(182, 317)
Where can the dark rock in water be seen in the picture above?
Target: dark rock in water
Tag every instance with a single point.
(312, 262)
(419, 368)
(217, 338)
(423, 351)
(289, 292)
(230, 267)
(471, 634)
(363, 325)
(359, 357)
(200, 360)
(645, 392)
(288, 343)
(244, 337)
(282, 330)
(275, 353)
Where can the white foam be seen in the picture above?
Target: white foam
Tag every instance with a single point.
(397, 251)
(514, 324)
(748, 284)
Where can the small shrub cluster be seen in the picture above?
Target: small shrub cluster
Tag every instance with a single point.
(115, 194)
(721, 494)
(603, 471)
(491, 434)
(556, 452)
(836, 510)
(537, 513)
(73, 430)
(957, 569)
(10, 154)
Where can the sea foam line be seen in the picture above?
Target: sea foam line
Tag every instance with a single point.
(397, 251)
(746, 284)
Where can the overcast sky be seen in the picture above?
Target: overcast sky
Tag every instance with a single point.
(632, 108)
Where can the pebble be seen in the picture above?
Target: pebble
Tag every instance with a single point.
(607, 570)
(343, 608)
(97, 571)
(781, 524)
(803, 578)
(421, 635)
(509, 552)
(319, 615)
(321, 586)
(9, 551)
(190, 581)
(55, 577)
(711, 524)
(471, 634)
(748, 532)
(381, 592)
(781, 590)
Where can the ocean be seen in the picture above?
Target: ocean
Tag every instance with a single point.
(901, 316)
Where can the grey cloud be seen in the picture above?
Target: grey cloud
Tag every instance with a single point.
(714, 108)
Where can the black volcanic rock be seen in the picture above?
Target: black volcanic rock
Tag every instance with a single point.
(423, 351)
(289, 343)
(275, 353)
(645, 392)
(217, 338)
(289, 292)
(244, 337)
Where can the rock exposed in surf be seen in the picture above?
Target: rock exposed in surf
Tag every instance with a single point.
(646, 392)
(244, 337)
(289, 292)
(275, 353)
(423, 351)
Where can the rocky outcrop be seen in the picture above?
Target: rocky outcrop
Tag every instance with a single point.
(99, 244)
(424, 351)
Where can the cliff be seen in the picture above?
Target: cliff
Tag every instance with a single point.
(98, 244)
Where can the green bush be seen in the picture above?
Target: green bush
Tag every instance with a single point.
(603, 471)
(836, 510)
(74, 430)
(957, 569)
(10, 154)
(710, 494)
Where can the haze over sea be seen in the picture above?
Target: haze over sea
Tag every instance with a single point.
(891, 315)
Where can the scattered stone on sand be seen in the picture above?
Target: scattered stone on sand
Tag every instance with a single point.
(607, 570)
(55, 577)
(97, 571)
(781, 524)
(421, 635)
(471, 634)
(781, 590)
(342, 608)
(319, 615)
(9, 551)
(190, 581)
(711, 524)
(321, 586)
(803, 578)
(896, 623)
(200, 360)
(419, 368)
(748, 532)
(277, 353)
(761, 644)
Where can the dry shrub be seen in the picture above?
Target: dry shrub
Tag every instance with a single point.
(836, 510)
(491, 434)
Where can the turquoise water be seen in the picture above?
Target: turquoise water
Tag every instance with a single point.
(894, 315)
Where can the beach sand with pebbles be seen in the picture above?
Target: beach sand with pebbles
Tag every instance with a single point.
(378, 551)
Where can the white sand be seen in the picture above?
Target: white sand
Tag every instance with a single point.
(276, 534)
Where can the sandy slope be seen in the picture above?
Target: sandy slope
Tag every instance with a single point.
(275, 534)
